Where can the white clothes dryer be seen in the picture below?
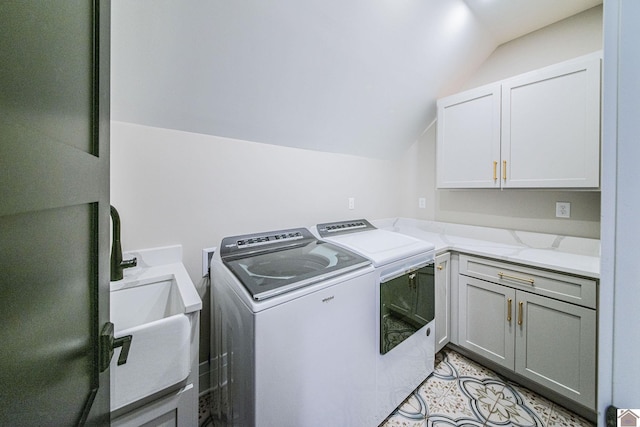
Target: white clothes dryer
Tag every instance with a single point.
(405, 305)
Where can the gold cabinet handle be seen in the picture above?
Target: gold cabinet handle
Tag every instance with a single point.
(509, 301)
(440, 267)
(504, 170)
(495, 170)
(520, 304)
(522, 279)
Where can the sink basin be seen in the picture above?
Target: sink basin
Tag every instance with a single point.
(152, 311)
(145, 302)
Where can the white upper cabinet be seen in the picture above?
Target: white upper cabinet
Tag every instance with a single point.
(537, 130)
(551, 126)
(468, 139)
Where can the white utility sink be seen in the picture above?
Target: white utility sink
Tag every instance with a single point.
(145, 302)
(153, 305)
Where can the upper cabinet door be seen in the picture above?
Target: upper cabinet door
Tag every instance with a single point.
(551, 126)
(468, 139)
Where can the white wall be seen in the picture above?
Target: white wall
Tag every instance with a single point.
(179, 187)
(418, 164)
(531, 210)
(175, 187)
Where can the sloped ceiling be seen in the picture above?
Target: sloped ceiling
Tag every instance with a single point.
(348, 76)
(510, 19)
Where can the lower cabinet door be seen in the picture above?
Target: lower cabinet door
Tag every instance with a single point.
(487, 320)
(556, 346)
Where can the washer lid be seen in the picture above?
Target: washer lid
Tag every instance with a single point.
(381, 246)
(271, 263)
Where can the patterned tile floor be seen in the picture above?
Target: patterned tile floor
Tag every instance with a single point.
(461, 392)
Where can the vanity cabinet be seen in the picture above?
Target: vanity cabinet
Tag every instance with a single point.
(540, 129)
(443, 300)
(537, 323)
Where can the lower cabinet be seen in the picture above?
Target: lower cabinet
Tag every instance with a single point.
(506, 320)
(556, 346)
(486, 324)
(443, 300)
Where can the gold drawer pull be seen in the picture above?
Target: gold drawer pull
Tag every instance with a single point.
(522, 279)
(520, 312)
(509, 301)
(504, 170)
(495, 170)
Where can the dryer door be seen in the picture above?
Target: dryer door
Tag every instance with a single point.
(407, 303)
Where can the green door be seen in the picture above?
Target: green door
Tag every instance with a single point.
(54, 211)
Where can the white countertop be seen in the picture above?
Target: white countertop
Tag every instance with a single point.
(572, 255)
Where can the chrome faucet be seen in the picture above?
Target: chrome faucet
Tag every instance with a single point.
(117, 264)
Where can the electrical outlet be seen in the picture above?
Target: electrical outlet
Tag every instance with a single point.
(422, 203)
(207, 254)
(563, 210)
(352, 203)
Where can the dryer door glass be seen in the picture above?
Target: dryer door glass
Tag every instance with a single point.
(406, 305)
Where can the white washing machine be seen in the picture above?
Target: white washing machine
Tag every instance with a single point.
(291, 332)
(405, 306)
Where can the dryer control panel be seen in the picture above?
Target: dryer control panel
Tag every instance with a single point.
(333, 228)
